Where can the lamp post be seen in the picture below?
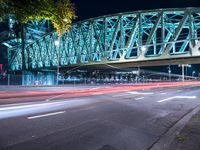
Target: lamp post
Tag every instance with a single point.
(187, 66)
(183, 72)
(169, 71)
(57, 43)
(138, 74)
(193, 72)
(143, 49)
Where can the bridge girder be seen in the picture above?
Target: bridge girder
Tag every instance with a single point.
(120, 38)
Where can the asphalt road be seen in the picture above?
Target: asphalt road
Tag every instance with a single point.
(128, 120)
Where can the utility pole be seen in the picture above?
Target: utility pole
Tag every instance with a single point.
(169, 72)
(183, 73)
(57, 43)
(193, 72)
(8, 79)
(138, 74)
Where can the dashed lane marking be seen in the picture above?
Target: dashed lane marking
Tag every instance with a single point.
(139, 98)
(119, 95)
(163, 93)
(46, 115)
(132, 93)
(177, 97)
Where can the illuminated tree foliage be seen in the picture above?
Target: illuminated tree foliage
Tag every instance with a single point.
(59, 12)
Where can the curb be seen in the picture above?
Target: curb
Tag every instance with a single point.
(165, 140)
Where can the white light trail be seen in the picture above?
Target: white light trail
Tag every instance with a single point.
(140, 93)
(54, 97)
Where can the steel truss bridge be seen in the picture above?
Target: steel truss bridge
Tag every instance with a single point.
(133, 37)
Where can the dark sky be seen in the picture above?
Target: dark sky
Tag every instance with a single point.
(93, 8)
(86, 9)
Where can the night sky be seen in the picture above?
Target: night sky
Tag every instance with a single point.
(86, 9)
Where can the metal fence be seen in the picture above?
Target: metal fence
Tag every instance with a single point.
(39, 79)
(30, 80)
(11, 80)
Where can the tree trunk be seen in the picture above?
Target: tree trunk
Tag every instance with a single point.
(23, 47)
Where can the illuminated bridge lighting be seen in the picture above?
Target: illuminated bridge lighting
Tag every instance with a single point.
(161, 34)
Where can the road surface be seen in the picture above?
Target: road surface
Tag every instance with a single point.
(94, 119)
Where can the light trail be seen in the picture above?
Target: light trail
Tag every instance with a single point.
(44, 107)
(51, 98)
(140, 93)
(163, 93)
(124, 88)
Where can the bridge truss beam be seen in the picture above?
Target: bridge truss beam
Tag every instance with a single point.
(126, 37)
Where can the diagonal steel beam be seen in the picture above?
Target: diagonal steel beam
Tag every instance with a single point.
(86, 37)
(134, 29)
(177, 32)
(154, 29)
(115, 33)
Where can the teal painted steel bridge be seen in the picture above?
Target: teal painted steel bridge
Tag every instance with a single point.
(131, 37)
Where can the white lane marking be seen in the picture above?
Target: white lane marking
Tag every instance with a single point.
(136, 93)
(139, 98)
(139, 93)
(163, 93)
(48, 99)
(119, 95)
(46, 115)
(179, 97)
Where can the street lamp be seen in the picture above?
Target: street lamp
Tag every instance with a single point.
(187, 66)
(193, 72)
(169, 71)
(65, 20)
(57, 43)
(183, 72)
(143, 48)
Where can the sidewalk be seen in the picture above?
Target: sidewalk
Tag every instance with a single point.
(189, 137)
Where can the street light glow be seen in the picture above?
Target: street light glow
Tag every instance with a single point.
(143, 48)
(65, 20)
(57, 43)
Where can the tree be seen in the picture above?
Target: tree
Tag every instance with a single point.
(59, 12)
